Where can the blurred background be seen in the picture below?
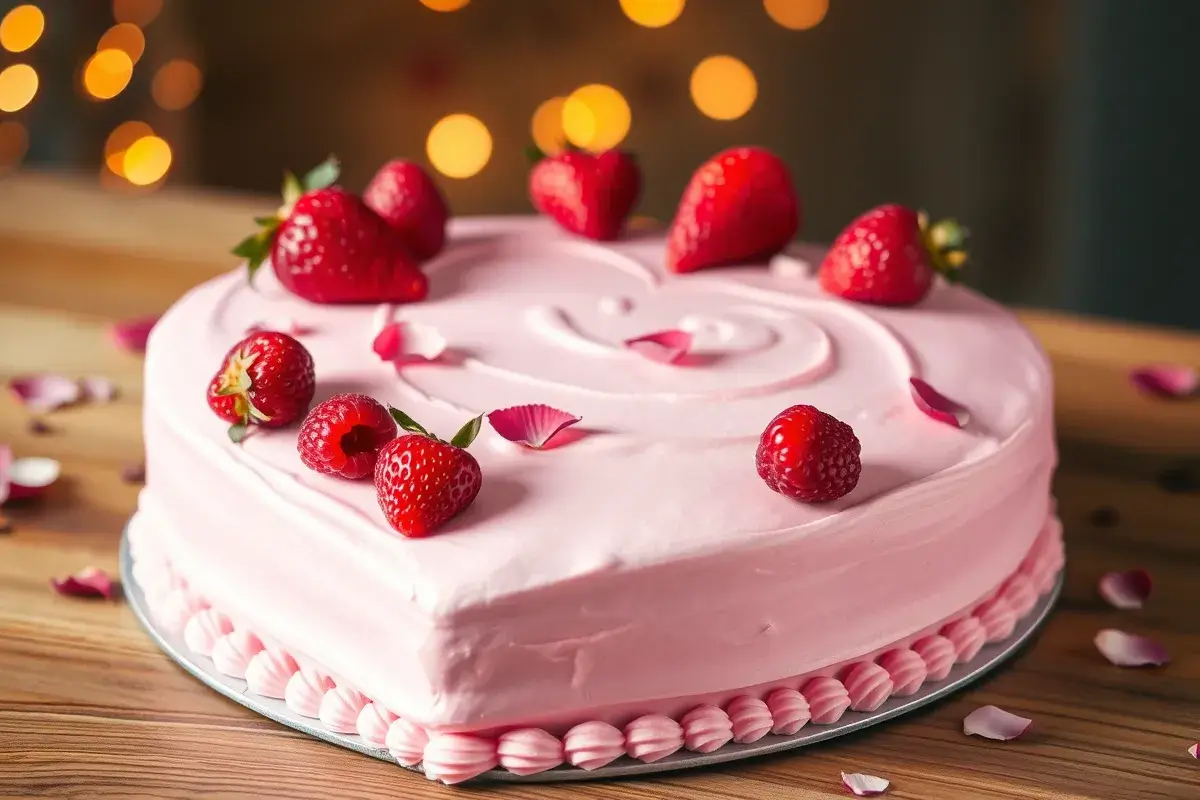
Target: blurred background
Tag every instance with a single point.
(1061, 131)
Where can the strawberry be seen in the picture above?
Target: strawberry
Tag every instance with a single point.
(265, 379)
(739, 206)
(590, 195)
(809, 455)
(327, 246)
(343, 435)
(408, 200)
(422, 481)
(890, 255)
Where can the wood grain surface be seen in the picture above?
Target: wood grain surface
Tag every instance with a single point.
(89, 707)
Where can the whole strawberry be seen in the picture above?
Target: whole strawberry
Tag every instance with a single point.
(343, 436)
(890, 255)
(590, 195)
(327, 246)
(422, 481)
(739, 206)
(266, 379)
(809, 455)
(409, 201)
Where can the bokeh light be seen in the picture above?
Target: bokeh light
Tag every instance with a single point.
(18, 85)
(459, 146)
(798, 15)
(107, 73)
(14, 141)
(547, 126)
(147, 160)
(723, 87)
(120, 140)
(444, 5)
(653, 13)
(126, 37)
(596, 117)
(176, 84)
(21, 28)
(138, 12)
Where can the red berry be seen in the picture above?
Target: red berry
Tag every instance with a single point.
(590, 195)
(343, 435)
(739, 206)
(890, 255)
(408, 200)
(266, 379)
(809, 455)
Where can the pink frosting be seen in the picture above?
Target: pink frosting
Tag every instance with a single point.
(868, 685)
(268, 673)
(528, 751)
(176, 607)
(706, 728)
(305, 690)
(939, 655)
(456, 757)
(907, 670)
(203, 630)
(591, 745)
(997, 617)
(789, 711)
(751, 719)
(967, 636)
(373, 723)
(1020, 594)
(340, 708)
(652, 738)
(233, 651)
(406, 742)
(827, 699)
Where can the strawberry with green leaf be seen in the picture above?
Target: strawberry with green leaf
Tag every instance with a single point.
(266, 379)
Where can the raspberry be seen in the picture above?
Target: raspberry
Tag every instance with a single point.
(809, 455)
(343, 436)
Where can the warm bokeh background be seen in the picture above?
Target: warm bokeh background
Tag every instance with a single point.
(1060, 130)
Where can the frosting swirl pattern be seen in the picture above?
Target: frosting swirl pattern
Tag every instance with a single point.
(232, 652)
(967, 636)
(751, 719)
(907, 670)
(269, 671)
(706, 728)
(997, 617)
(203, 630)
(305, 691)
(789, 711)
(340, 708)
(373, 724)
(406, 742)
(528, 751)
(939, 655)
(868, 686)
(591, 745)
(827, 699)
(456, 757)
(652, 738)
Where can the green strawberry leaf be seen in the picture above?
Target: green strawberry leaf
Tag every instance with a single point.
(406, 422)
(292, 189)
(467, 433)
(322, 175)
(267, 222)
(238, 432)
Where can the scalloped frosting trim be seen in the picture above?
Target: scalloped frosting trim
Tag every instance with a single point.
(456, 757)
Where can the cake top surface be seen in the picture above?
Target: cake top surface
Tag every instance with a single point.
(662, 465)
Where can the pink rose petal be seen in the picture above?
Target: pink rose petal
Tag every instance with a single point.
(1194, 750)
(664, 347)
(995, 723)
(288, 325)
(130, 335)
(865, 785)
(89, 582)
(1129, 589)
(408, 343)
(45, 391)
(1165, 380)
(5, 472)
(938, 406)
(1130, 650)
(531, 425)
(29, 477)
(98, 389)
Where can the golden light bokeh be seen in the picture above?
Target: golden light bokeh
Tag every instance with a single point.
(21, 28)
(176, 84)
(797, 15)
(547, 126)
(459, 146)
(444, 5)
(138, 12)
(18, 85)
(653, 13)
(723, 87)
(146, 161)
(14, 141)
(107, 73)
(120, 140)
(595, 117)
(126, 37)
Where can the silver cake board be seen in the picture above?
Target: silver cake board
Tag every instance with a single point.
(988, 659)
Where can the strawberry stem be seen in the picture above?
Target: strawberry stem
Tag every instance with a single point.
(407, 423)
(467, 433)
(945, 241)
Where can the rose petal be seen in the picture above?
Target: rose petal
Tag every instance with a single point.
(1130, 650)
(531, 425)
(131, 334)
(98, 389)
(995, 723)
(45, 391)
(287, 325)
(1165, 380)
(89, 582)
(408, 343)
(31, 476)
(665, 347)
(5, 472)
(938, 406)
(865, 785)
(1194, 750)
(1129, 589)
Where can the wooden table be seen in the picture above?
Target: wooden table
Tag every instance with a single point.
(89, 706)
